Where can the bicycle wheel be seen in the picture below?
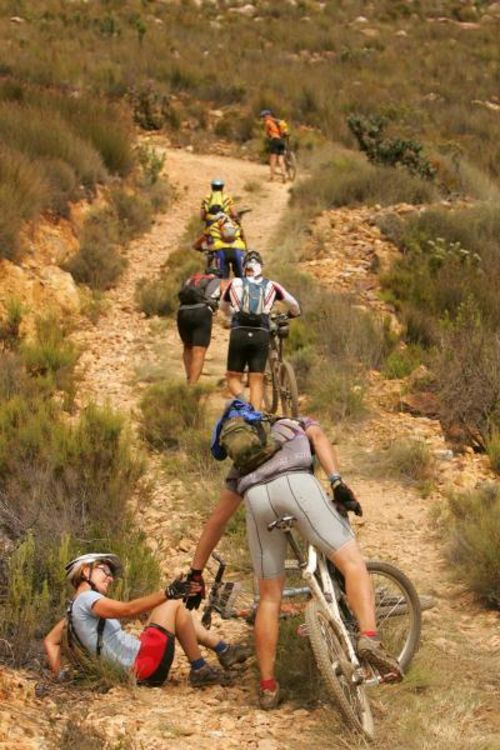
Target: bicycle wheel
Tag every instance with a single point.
(270, 387)
(289, 393)
(337, 672)
(397, 609)
(290, 165)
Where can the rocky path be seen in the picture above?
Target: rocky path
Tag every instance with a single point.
(120, 354)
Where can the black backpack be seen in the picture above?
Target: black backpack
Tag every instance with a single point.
(194, 290)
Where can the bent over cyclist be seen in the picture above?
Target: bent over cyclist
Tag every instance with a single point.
(250, 300)
(283, 484)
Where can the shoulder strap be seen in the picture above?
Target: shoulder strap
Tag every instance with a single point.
(73, 635)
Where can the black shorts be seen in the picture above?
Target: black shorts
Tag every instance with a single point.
(155, 656)
(276, 146)
(247, 346)
(195, 325)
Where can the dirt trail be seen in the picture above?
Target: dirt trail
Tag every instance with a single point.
(119, 354)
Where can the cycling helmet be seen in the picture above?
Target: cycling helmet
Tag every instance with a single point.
(265, 113)
(217, 183)
(253, 255)
(73, 568)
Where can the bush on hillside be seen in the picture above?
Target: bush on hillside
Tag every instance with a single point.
(10, 323)
(467, 366)
(169, 409)
(98, 262)
(64, 490)
(369, 133)
(349, 180)
(474, 547)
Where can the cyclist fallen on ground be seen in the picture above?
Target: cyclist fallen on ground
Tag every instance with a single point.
(272, 473)
(92, 629)
(225, 244)
(250, 301)
(199, 300)
(217, 202)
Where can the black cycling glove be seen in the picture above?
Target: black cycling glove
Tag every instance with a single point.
(177, 589)
(344, 497)
(193, 601)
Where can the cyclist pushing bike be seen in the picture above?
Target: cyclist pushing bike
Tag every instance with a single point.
(278, 138)
(250, 300)
(224, 241)
(272, 474)
(217, 202)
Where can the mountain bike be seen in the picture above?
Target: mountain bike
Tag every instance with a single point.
(280, 383)
(330, 625)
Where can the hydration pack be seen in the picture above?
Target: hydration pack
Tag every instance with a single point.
(248, 444)
(194, 290)
(251, 312)
(283, 128)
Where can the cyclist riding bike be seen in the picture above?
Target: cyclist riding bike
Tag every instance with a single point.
(276, 134)
(217, 202)
(224, 241)
(273, 474)
(250, 300)
(92, 629)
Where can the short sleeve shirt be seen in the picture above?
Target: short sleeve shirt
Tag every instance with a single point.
(118, 646)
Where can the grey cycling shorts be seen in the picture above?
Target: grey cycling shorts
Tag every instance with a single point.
(296, 494)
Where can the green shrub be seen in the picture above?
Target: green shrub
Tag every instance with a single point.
(169, 409)
(51, 353)
(475, 540)
(369, 133)
(467, 367)
(493, 449)
(409, 460)
(401, 362)
(159, 296)
(133, 213)
(24, 192)
(38, 133)
(152, 163)
(349, 180)
(9, 327)
(337, 394)
(98, 263)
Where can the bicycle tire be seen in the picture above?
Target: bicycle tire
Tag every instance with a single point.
(290, 165)
(329, 655)
(271, 395)
(289, 392)
(397, 609)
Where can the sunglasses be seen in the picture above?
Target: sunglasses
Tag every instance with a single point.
(107, 571)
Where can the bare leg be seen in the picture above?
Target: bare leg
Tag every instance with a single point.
(235, 382)
(187, 356)
(204, 636)
(173, 616)
(272, 165)
(267, 624)
(281, 164)
(256, 382)
(359, 587)
(197, 361)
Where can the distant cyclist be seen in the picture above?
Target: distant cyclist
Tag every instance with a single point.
(250, 300)
(199, 300)
(217, 202)
(276, 135)
(224, 241)
(92, 628)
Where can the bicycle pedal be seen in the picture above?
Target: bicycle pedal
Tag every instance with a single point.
(302, 631)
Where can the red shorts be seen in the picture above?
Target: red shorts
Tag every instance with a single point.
(155, 656)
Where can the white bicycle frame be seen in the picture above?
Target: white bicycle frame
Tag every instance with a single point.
(326, 596)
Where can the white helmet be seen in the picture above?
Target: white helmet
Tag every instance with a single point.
(91, 558)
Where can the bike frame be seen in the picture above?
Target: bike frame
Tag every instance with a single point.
(327, 594)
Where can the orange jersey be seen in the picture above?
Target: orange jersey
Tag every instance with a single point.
(272, 128)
